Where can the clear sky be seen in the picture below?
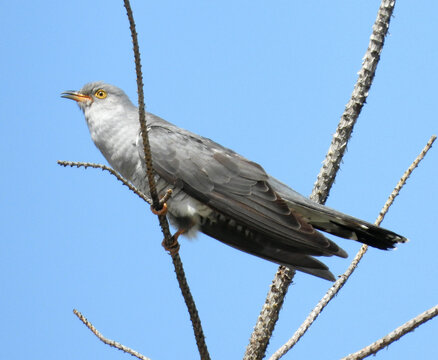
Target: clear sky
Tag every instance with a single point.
(267, 79)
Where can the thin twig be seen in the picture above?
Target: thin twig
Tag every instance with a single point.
(144, 131)
(408, 172)
(394, 335)
(142, 111)
(269, 314)
(344, 277)
(108, 341)
(119, 177)
(111, 171)
(168, 240)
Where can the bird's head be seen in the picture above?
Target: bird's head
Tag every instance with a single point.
(98, 96)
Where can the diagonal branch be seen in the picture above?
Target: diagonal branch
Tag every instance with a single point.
(108, 341)
(344, 277)
(111, 171)
(169, 242)
(402, 330)
(353, 108)
(274, 301)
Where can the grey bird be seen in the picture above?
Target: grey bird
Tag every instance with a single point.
(219, 192)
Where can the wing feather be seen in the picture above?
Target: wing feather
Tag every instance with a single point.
(235, 187)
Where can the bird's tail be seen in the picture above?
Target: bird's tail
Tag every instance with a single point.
(349, 227)
(336, 223)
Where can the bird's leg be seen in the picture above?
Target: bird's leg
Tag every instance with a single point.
(178, 233)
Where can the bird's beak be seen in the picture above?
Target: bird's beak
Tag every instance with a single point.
(76, 96)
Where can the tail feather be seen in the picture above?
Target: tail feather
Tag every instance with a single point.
(348, 227)
(334, 222)
(372, 235)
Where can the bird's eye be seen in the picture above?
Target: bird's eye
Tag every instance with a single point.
(100, 94)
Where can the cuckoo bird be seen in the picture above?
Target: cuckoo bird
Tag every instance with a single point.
(219, 192)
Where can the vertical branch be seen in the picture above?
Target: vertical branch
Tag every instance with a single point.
(141, 109)
(269, 314)
(268, 317)
(169, 242)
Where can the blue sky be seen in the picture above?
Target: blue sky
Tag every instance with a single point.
(267, 79)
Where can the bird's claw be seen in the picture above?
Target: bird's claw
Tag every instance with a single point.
(162, 211)
(173, 246)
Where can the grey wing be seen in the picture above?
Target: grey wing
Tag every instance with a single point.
(239, 190)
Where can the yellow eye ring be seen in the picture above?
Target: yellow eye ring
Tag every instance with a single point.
(100, 94)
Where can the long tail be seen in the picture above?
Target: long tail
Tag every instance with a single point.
(336, 223)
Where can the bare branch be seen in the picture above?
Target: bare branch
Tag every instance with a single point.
(353, 108)
(108, 341)
(269, 314)
(169, 241)
(119, 177)
(142, 111)
(402, 330)
(265, 325)
(111, 171)
(344, 277)
(144, 131)
(405, 177)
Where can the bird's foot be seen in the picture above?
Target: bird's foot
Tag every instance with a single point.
(173, 246)
(163, 203)
(162, 211)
